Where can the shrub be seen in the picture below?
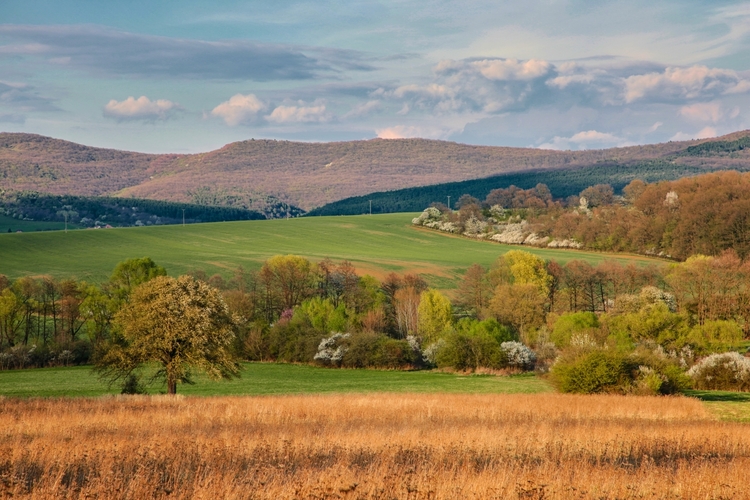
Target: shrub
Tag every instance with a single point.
(518, 355)
(716, 336)
(657, 373)
(293, 342)
(571, 324)
(331, 349)
(133, 385)
(616, 371)
(394, 353)
(365, 350)
(469, 351)
(725, 371)
(601, 370)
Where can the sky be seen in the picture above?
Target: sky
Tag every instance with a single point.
(190, 76)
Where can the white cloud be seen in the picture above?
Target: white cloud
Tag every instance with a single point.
(363, 109)
(703, 112)
(655, 127)
(704, 133)
(299, 114)
(411, 131)
(675, 84)
(432, 90)
(585, 140)
(142, 108)
(239, 109)
(512, 69)
(496, 69)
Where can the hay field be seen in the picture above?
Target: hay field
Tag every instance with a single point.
(376, 446)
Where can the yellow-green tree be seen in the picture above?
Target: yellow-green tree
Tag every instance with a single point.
(527, 269)
(434, 315)
(180, 324)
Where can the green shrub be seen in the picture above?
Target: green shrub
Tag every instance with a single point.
(394, 353)
(293, 342)
(133, 385)
(469, 351)
(600, 370)
(365, 350)
(716, 336)
(616, 371)
(654, 323)
(571, 324)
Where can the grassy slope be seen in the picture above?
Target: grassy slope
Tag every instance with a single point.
(375, 244)
(271, 378)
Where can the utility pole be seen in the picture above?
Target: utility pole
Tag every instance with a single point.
(370, 207)
(449, 203)
(183, 216)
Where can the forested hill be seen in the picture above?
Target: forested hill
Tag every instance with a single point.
(561, 183)
(250, 174)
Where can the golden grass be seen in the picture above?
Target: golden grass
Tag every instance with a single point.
(380, 446)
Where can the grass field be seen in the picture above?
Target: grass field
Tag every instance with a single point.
(272, 378)
(372, 446)
(375, 244)
(28, 225)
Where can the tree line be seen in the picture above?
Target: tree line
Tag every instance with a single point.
(562, 183)
(644, 327)
(93, 211)
(704, 215)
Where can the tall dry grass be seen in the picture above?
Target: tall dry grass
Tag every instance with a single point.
(371, 446)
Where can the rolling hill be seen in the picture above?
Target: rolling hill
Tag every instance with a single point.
(309, 175)
(376, 245)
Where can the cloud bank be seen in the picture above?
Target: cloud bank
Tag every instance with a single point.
(112, 52)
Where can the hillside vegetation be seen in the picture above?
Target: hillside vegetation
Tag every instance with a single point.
(562, 183)
(705, 214)
(250, 173)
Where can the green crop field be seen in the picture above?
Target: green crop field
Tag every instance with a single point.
(271, 378)
(375, 244)
(9, 223)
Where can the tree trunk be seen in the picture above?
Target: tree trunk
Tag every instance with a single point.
(171, 386)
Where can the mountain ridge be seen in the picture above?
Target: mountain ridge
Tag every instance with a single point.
(309, 175)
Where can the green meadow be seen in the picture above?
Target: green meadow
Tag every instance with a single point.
(270, 378)
(375, 244)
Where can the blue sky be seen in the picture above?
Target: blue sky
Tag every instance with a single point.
(189, 76)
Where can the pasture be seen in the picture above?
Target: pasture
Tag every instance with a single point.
(270, 379)
(376, 245)
(371, 446)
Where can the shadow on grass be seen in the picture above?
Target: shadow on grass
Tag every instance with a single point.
(723, 396)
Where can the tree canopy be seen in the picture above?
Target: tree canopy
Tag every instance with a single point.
(180, 324)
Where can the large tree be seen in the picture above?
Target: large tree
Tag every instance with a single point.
(179, 324)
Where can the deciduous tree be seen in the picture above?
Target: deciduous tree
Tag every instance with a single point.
(180, 324)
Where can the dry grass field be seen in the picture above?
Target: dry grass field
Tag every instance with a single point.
(382, 446)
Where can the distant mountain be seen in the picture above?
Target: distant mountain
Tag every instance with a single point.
(252, 174)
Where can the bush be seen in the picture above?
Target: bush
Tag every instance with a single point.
(469, 351)
(616, 371)
(518, 355)
(365, 350)
(600, 370)
(726, 371)
(293, 342)
(716, 336)
(133, 385)
(571, 324)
